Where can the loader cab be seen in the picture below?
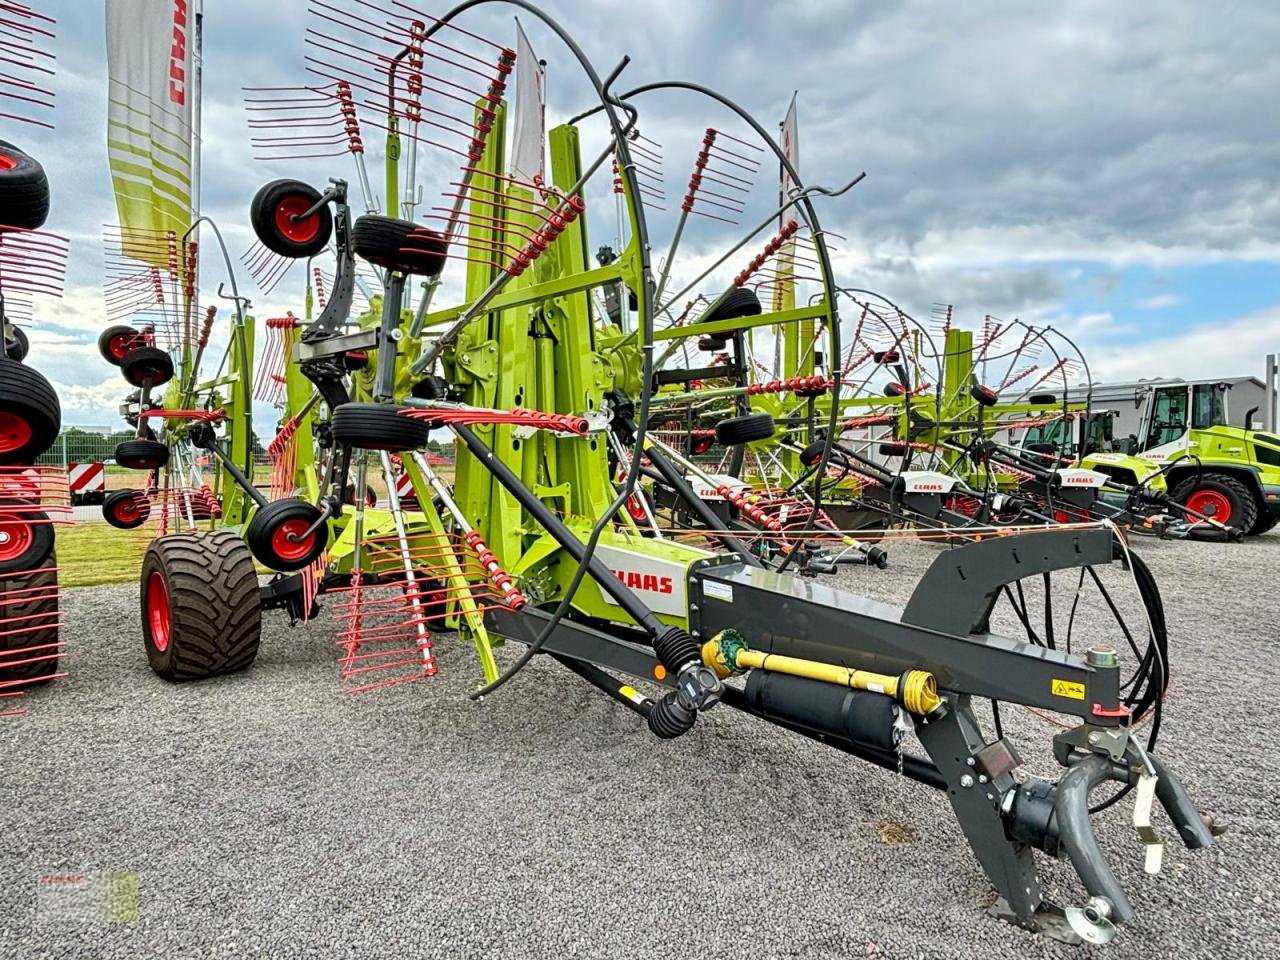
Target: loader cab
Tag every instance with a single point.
(1062, 437)
(1174, 410)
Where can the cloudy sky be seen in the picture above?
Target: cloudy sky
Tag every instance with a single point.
(1110, 168)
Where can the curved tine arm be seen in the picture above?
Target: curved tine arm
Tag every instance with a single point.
(1177, 804)
(1071, 806)
(828, 192)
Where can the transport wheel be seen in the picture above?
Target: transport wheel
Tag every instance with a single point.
(744, 429)
(201, 610)
(370, 496)
(741, 302)
(712, 344)
(1220, 497)
(274, 532)
(142, 454)
(378, 426)
(16, 343)
(30, 415)
(147, 363)
(115, 343)
(26, 539)
(400, 245)
(126, 509)
(25, 189)
(276, 215)
(36, 606)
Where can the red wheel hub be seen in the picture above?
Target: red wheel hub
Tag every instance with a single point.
(288, 542)
(297, 230)
(1211, 503)
(7, 162)
(126, 511)
(122, 343)
(158, 610)
(15, 432)
(16, 538)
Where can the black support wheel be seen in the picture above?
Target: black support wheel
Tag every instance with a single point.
(126, 509)
(277, 215)
(30, 415)
(30, 655)
(16, 343)
(378, 426)
(117, 342)
(1221, 497)
(400, 245)
(26, 539)
(201, 609)
(147, 364)
(280, 535)
(744, 429)
(25, 189)
(740, 302)
(142, 454)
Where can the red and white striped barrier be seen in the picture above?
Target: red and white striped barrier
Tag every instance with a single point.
(87, 482)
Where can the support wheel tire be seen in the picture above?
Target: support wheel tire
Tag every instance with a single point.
(38, 609)
(26, 539)
(142, 454)
(1221, 497)
(378, 426)
(399, 245)
(126, 509)
(30, 415)
(147, 363)
(201, 608)
(744, 429)
(273, 529)
(741, 302)
(16, 343)
(274, 215)
(117, 342)
(25, 189)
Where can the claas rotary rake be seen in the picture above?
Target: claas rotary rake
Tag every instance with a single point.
(551, 371)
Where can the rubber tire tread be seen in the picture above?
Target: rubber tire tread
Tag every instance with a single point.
(27, 393)
(400, 245)
(744, 429)
(378, 426)
(140, 361)
(32, 673)
(215, 608)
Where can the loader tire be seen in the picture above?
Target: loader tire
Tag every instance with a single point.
(201, 608)
(1221, 497)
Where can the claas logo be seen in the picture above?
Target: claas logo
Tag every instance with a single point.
(645, 581)
(178, 55)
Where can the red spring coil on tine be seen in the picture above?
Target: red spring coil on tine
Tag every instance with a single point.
(287, 322)
(770, 248)
(209, 314)
(792, 384)
(556, 223)
(500, 578)
(699, 163)
(749, 510)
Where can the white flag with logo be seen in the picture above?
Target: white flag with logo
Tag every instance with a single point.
(784, 291)
(150, 101)
(527, 150)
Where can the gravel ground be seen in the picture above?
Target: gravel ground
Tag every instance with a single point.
(269, 814)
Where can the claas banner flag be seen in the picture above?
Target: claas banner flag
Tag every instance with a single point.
(151, 101)
(528, 148)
